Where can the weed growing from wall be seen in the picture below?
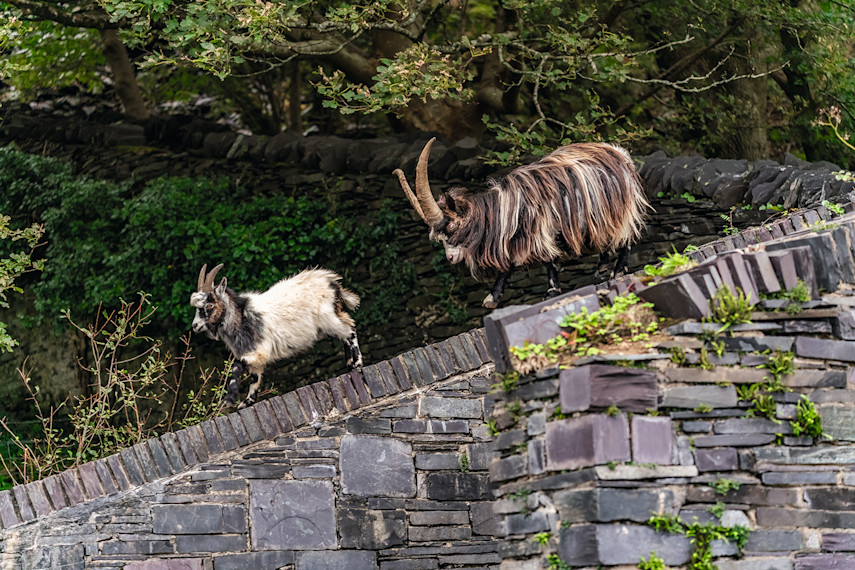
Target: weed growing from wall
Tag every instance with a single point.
(131, 379)
(701, 537)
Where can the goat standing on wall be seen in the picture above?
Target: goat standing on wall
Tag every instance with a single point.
(581, 198)
(288, 318)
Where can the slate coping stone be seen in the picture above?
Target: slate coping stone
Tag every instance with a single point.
(89, 478)
(23, 502)
(295, 412)
(677, 297)
(118, 470)
(310, 403)
(8, 516)
(239, 429)
(338, 395)
(132, 468)
(38, 498)
(322, 395)
(371, 374)
(227, 434)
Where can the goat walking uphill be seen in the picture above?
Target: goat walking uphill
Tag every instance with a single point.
(288, 318)
(580, 199)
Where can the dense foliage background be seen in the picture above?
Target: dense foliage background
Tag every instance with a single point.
(731, 78)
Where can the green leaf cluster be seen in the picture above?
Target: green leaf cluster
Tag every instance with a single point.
(108, 240)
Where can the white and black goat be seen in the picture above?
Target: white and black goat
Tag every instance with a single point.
(580, 199)
(288, 318)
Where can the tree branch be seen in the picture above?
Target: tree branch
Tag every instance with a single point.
(92, 17)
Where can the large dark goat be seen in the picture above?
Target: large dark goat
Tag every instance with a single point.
(288, 318)
(582, 198)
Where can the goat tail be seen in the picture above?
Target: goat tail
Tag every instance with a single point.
(351, 299)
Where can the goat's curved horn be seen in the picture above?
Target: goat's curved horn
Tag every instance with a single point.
(201, 282)
(432, 213)
(209, 280)
(402, 178)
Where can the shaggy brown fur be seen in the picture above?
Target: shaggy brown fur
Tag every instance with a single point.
(581, 198)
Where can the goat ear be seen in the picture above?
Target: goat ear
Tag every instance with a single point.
(221, 288)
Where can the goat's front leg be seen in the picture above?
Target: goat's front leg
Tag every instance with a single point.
(491, 301)
(255, 382)
(352, 352)
(603, 266)
(233, 387)
(552, 276)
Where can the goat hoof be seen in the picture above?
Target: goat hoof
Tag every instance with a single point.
(489, 302)
(553, 293)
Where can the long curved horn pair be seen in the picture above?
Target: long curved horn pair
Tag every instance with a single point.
(206, 281)
(423, 201)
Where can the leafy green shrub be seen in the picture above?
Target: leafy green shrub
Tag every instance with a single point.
(730, 307)
(107, 240)
(808, 421)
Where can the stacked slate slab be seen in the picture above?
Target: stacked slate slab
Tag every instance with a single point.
(589, 453)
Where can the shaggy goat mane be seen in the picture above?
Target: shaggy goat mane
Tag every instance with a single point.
(581, 198)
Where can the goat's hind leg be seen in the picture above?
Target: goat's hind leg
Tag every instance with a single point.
(552, 276)
(491, 301)
(351, 350)
(233, 386)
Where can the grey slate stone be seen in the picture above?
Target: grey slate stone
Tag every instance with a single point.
(198, 519)
(358, 425)
(736, 440)
(601, 386)
(693, 396)
(457, 486)
(437, 461)
(371, 529)
(507, 468)
(292, 515)
(375, 383)
(809, 347)
(799, 478)
(627, 544)
(717, 459)
(451, 407)
(526, 523)
(158, 454)
(375, 466)
(239, 429)
(824, 561)
(635, 505)
(577, 546)
(295, 411)
(38, 498)
(270, 560)
(192, 543)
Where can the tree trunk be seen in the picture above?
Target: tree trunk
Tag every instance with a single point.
(295, 99)
(124, 77)
(746, 136)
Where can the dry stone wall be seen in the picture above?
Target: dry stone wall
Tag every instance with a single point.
(705, 435)
(384, 469)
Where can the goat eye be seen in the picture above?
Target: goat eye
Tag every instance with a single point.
(209, 306)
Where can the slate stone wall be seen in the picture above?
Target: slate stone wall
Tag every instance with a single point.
(588, 454)
(385, 469)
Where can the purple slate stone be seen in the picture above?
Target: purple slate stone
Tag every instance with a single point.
(824, 562)
(763, 272)
(652, 440)
(388, 376)
(8, 516)
(338, 395)
(91, 483)
(72, 487)
(585, 441)
(323, 396)
(401, 375)
(359, 386)
(785, 268)
(310, 402)
(55, 492)
(20, 494)
(38, 498)
(602, 386)
(350, 391)
(118, 470)
(575, 389)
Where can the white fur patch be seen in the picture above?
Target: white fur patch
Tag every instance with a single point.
(198, 299)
